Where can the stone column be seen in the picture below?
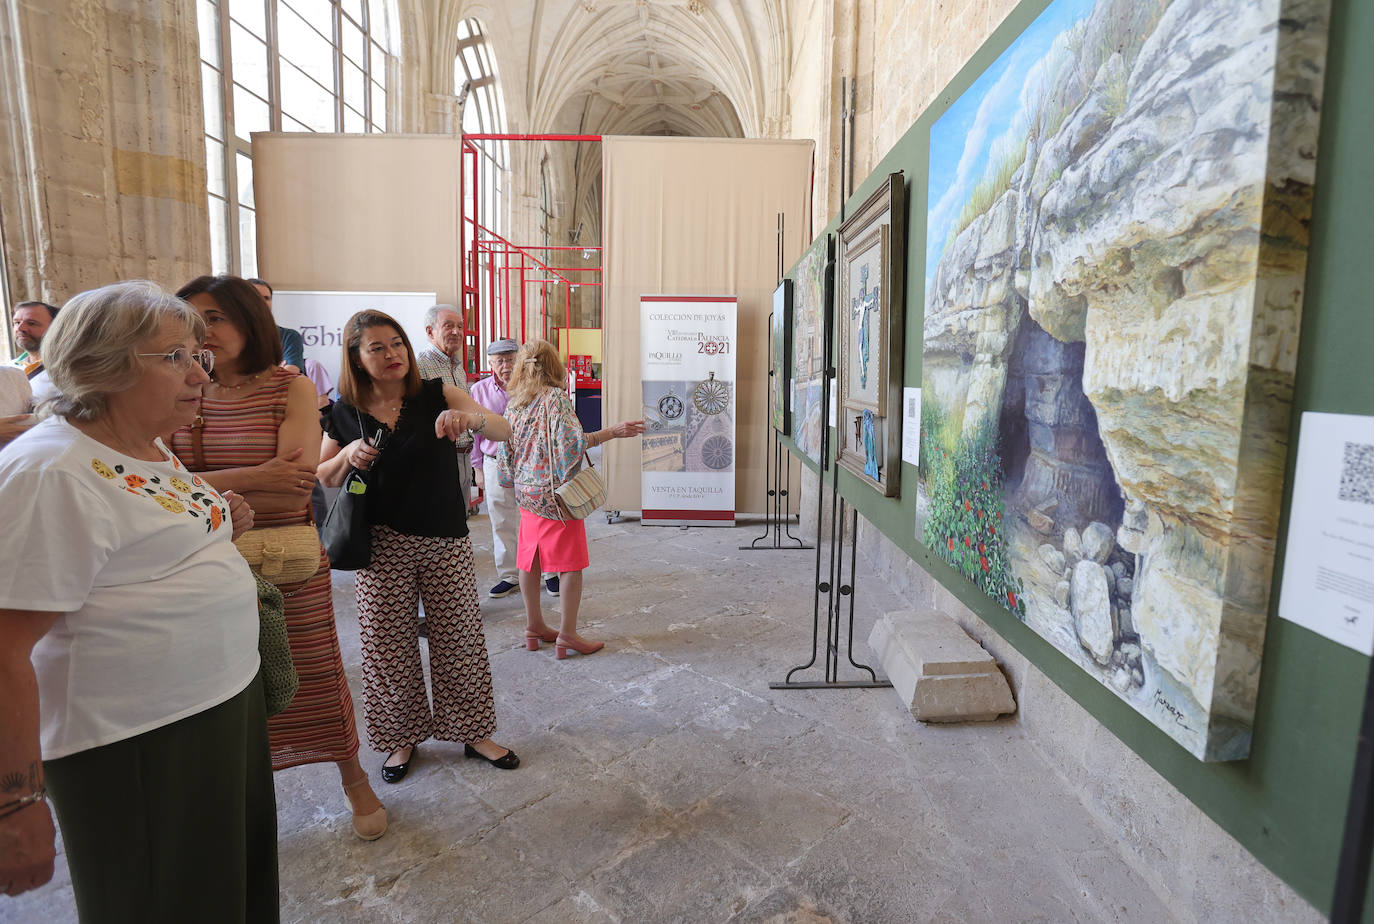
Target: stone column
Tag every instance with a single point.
(102, 175)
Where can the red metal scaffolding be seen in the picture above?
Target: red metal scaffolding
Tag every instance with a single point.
(491, 265)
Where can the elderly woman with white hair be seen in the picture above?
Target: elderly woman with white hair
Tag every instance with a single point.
(128, 636)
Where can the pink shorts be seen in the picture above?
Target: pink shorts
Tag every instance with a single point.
(561, 544)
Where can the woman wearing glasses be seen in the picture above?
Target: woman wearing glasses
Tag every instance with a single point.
(128, 636)
(259, 435)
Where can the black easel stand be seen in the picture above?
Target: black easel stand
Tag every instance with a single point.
(1352, 877)
(778, 483)
(839, 508)
(831, 588)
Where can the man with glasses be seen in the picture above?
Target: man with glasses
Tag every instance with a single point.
(501, 508)
(443, 360)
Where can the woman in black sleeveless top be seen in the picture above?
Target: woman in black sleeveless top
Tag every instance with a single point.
(420, 546)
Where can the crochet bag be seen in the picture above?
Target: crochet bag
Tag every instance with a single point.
(279, 678)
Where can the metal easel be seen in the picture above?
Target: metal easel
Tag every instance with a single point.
(777, 522)
(833, 588)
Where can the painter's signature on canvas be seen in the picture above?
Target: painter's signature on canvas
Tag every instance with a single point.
(1163, 701)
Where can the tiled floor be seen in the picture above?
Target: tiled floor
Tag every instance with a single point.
(662, 780)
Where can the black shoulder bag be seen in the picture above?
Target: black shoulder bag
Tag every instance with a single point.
(345, 534)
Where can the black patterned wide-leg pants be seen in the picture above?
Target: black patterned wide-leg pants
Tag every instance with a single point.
(404, 570)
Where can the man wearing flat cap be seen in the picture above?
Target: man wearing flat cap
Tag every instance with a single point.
(443, 360)
(501, 508)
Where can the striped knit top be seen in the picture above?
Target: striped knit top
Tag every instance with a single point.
(240, 431)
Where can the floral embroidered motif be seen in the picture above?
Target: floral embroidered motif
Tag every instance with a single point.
(169, 504)
(196, 500)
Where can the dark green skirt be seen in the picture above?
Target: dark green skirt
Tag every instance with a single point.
(175, 824)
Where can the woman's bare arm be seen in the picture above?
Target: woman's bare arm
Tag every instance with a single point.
(26, 833)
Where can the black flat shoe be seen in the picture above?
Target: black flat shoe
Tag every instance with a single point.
(397, 773)
(507, 761)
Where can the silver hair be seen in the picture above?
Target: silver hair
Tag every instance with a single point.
(432, 314)
(90, 352)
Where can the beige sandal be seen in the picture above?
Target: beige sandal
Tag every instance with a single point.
(372, 825)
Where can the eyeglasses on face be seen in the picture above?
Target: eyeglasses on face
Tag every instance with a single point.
(182, 358)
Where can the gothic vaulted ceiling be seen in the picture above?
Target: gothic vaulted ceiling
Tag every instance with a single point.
(670, 67)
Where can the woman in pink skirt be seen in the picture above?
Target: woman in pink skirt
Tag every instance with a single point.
(545, 450)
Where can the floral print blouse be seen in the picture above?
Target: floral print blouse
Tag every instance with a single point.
(545, 450)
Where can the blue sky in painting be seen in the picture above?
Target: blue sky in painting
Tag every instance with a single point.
(961, 139)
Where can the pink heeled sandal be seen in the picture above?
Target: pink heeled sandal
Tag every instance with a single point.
(532, 639)
(563, 643)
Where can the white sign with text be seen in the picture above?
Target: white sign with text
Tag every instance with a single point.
(1328, 568)
(320, 317)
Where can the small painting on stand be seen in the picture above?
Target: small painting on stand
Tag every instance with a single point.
(811, 295)
(870, 282)
(780, 375)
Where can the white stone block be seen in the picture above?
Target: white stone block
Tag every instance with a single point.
(940, 673)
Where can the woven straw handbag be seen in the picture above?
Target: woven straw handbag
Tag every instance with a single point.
(282, 554)
(581, 494)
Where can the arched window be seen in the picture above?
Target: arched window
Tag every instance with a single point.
(484, 113)
(280, 65)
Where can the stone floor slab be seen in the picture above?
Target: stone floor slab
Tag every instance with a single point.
(662, 780)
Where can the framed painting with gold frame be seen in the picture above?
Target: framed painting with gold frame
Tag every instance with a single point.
(870, 298)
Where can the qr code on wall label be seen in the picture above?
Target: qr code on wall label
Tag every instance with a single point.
(1357, 473)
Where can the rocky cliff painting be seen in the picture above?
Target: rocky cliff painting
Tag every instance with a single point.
(1117, 231)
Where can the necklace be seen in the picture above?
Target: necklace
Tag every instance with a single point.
(248, 381)
(385, 409)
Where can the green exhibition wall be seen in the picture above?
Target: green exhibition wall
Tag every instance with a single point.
(1286, 803)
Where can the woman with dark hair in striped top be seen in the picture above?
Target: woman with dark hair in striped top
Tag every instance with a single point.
(259, 435)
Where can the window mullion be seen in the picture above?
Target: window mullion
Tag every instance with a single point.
(273, 68)
(338, 66)
(231, 140)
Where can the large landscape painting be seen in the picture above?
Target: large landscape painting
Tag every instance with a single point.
(1116, 242)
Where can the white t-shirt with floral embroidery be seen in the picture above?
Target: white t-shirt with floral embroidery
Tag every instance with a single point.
(159, 611)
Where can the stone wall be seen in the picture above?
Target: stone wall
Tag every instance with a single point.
(103, 169)
(901, 53)
(1199, 870)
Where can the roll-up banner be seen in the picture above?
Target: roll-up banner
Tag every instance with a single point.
(689, 344)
